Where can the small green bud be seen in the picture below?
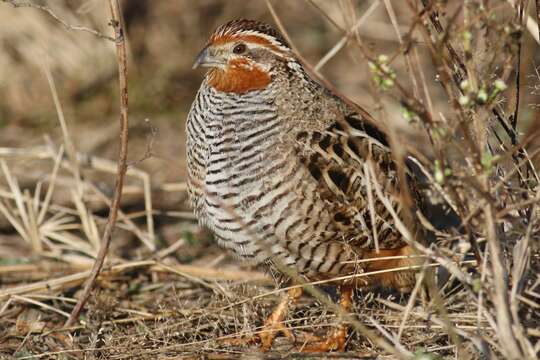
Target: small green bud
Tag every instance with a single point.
(438, 175)
(500, 85)
(465, 85)
(387, 83)
(482, 96)
(408, 114)
(439, 132)
(477, 285)
(383, 59)
(464, 100)
(487, 161)
(383, 74)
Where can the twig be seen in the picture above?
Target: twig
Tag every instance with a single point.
(68, 143)
(410, 304)
(66, 281)
(118, 27)
(505, 323)
(71, 280)
(343, 41)
(532, 27)
(40, 304)
(149, 152)
(17, 3)
(408, 61)
(521, 10)
(538, 17)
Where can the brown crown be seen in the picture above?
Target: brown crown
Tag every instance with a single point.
(236, 27)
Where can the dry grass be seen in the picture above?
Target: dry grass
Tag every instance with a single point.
(165, 290)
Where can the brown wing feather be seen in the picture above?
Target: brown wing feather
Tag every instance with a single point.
(336, 159)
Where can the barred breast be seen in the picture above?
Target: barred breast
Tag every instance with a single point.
(251, 188)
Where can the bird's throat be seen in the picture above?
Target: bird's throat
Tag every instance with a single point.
(238, 79)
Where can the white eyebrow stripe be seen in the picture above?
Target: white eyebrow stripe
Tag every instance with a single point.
(269, 38)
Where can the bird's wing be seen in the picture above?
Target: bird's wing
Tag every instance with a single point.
(351, 163)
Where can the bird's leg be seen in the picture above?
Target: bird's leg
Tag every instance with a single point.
(337, 337)
(274, 323)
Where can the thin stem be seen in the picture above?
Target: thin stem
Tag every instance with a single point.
(120, 42)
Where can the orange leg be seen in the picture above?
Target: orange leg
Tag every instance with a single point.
(337, 337)
(274, 323)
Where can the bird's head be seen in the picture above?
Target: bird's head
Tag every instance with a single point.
(241, 55)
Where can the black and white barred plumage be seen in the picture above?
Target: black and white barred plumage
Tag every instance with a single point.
(282, 170)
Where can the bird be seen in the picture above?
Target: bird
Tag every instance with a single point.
(288, 175)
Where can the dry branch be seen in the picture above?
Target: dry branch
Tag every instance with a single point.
(19, 3)
(120, 42)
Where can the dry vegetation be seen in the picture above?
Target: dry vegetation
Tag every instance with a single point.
(457, 80)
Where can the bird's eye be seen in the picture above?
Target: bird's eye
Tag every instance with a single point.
(239, 49)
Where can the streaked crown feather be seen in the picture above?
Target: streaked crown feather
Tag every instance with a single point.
(247, 27)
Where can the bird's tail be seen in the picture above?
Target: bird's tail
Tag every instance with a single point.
(390, 268)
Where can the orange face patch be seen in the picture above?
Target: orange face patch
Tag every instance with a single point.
(239, 77)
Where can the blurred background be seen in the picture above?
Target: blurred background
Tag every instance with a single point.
(164, 37)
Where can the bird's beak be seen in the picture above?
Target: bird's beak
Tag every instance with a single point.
(206, 58)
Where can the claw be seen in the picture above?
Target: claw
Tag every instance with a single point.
(337, 338)
(270, 332)
(274, 324)
(335, 341)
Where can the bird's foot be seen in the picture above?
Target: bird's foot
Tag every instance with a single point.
(265, 337)
(335, 341)
(273, 324)
(239, 341)
(271, 329)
